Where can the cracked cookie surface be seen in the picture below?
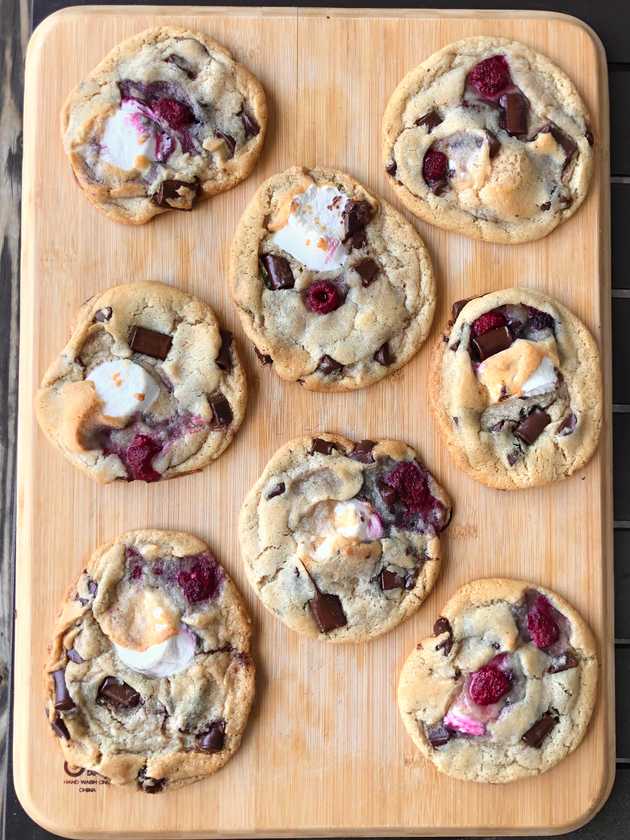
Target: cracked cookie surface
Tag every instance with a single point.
(505, 687)
(516, 388)
(149, 679)
(490, 139)
(334, 287)
(167, 118)
(340, 539)
(148, 386)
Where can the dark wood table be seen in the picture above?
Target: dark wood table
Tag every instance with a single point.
(611, 20)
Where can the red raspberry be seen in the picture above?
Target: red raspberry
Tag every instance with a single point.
(490, 77)
(201, 580)
(488, 321)
(175, 113)
(323, 297)
(488, 685)
(434, 167)
(541, 625)
(412, 486)
(139, 455)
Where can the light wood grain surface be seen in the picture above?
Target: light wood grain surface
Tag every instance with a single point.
(325, 752)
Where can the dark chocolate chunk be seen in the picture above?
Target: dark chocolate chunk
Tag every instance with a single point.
(564, 662)
(568, 425)
(74, 656)
(278, 490)
(513, 117)
(169, 191)
(513, 456)
(363, 452)
(249, 124)
(494, 144)
(148, 784)
(388, 494)
(183, 64)
(63, 701)
(224, 359)
(229, 141)
(429, 121)
(530, 429)
(391, 167)
(390, 580)
(457, 307)
(59, 727)
(221, 410)
(546, 206)
(443, 625)
(263, 358)
(102, 315)
(492, 342)
(213, 739)
(277, 272)
(537, 733)
(150, 342)
(356, 215)
(438, 735)
(327, 611)
(324, 447)
(116, 693)
(327, 365)
(383, 355)
(589, 135)
(357, 240)
(367, 270)
(568, 145)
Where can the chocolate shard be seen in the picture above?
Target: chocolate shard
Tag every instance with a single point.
(564, 662)
(457, 307)
(356, 215)
(391, 167)
(388, 493)
(390, 580)
(221, 410)
(494, 341)
(441, 626)
(327, 611)
(184, 65)
(363, 452)
(74, 656)
(357, 240)
(224, 359)
(384, 355)
(63, 701)
(171, 190)
(229, 141)
(494, 144)
(327, 365)
(514, 109)
(213, 739)
(277, 490)
(537, 733)
(116, 693)
(323, 447)
(249, 124)
(150, 342)
(429, 121)
(59, 727)
(568, 425)
(513, 456)
(590, 139)
(367, 269)
(148, 784)
(438, 735)
(532, 426)
(276, 272)
(263, 358)
(103, 315)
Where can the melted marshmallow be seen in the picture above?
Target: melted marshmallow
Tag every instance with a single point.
(161, 660)
(351, 521)
(128, 141)
(123, 387)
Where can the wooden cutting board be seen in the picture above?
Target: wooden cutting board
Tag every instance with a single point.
(325, 752)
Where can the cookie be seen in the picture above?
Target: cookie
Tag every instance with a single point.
(340, 539)
(334, 287)
(166, 119)
(516, 389)
(505, 687)
(490, 139)
(149, 680)
(148, 386)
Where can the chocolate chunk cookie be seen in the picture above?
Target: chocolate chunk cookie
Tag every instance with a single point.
(334, 287)
(150, 681)
(505, 687)
(340, 539)
(148, 386)
(516, 388)
(166, 119)
(490, 139)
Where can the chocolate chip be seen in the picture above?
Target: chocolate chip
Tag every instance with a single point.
(568, 145)
(494, 341)
(249, 124)
(363, 452)
(546, 206)
(589, 136)
(494, 144)
(74, 656)
(457, 307)
(383, 355)
(513, 456)
(276, 272)
(224, 359)
(263, 358)
(564, 662)
(150, 342)
(92, 588)
(391, 167)
(116, 693)
(388, 494)
(63, 701)
(229, 141)
(443, 625)
(169, 190)
(102, 315)
(221, 410)
(213, 739)
(429, 121)
(59, 727)
(537, 733)
(324, 447)
(148, 784)
(390, 580)
(513, 118)
(356, 215)
(530, 429)
(327, 365)
(357, 240)
(278, 490)
(183, 64)
(438, 735)
(367, 269)
(327, 611)
(568, 425)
